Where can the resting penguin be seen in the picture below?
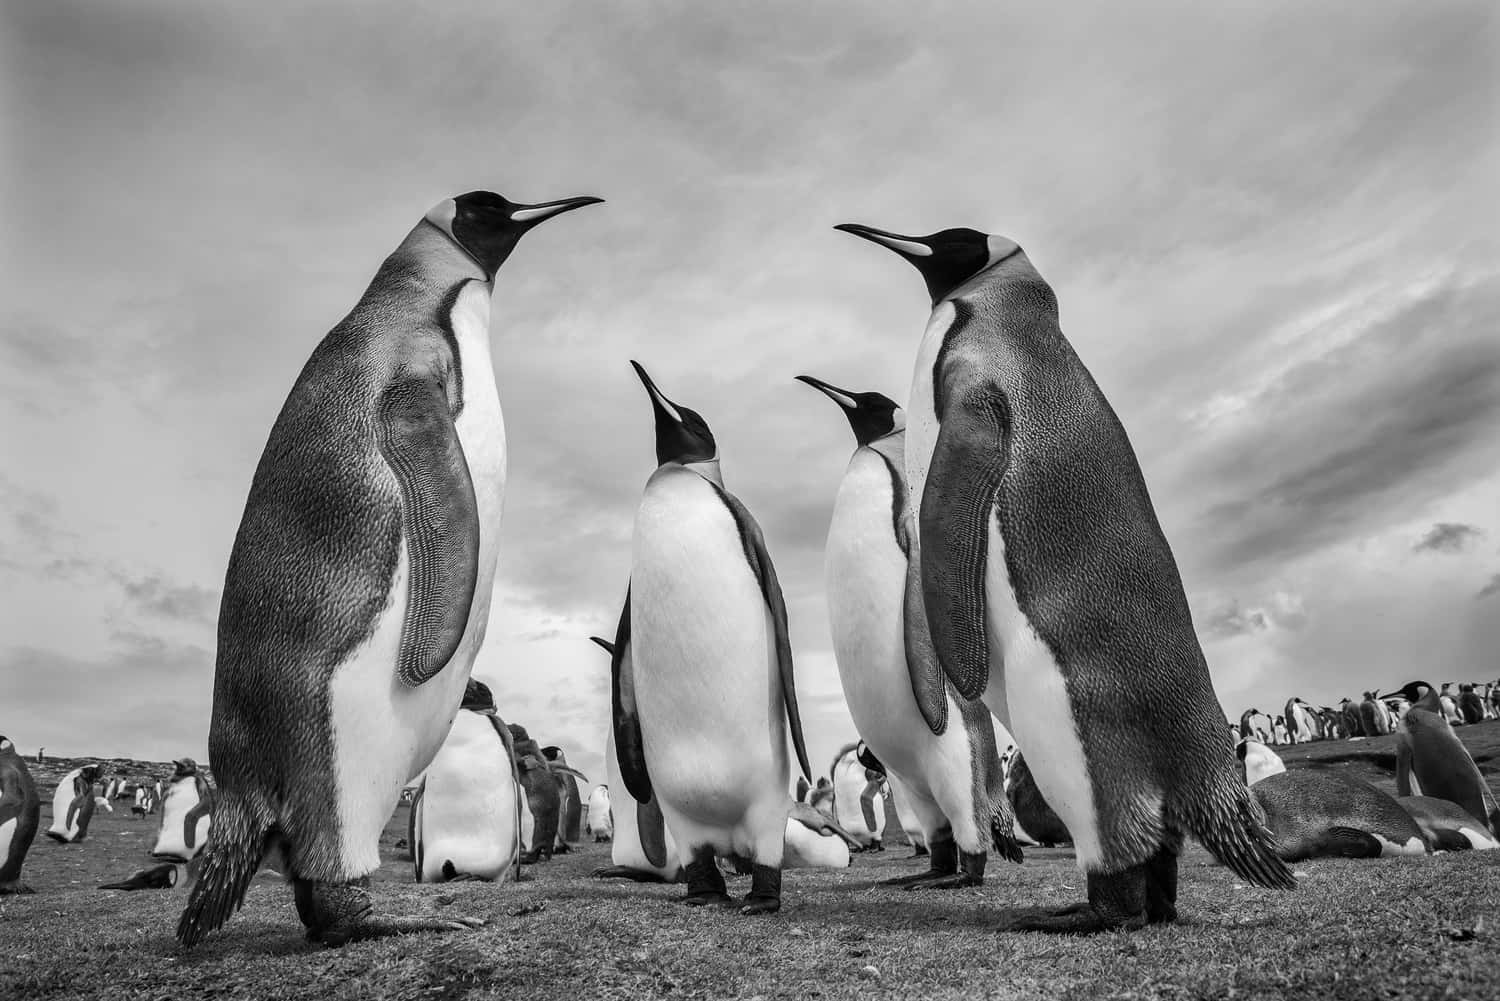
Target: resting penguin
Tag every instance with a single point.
(813, 841)
(1432, 761)
(358, 588)
(73, 805)
(186, 814)
(158, 877)
(570, 803)
(941, 747)
(1319, 813)
(465, 817)
(859, 797)
(641, 848)
(20, 813)
(711, 668)
(1051, 592)
(1448, 826)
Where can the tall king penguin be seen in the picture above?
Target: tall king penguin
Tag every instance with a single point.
(186, 813)
(20, 812)
(939, 747)
(711, 668)
(359, 584)
(1052, 594)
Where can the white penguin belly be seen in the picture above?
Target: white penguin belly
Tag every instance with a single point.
(706, 679)
(625, 844)
(469, 809)
(600, 824)
(849, 784)
(61, 800)
(866, 586)
(921, 412)
(1027, 691)
(182, 796)
(807, 849)
(384, 733)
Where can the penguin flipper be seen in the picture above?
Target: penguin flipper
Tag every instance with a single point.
(922, 665)
(1347, 842)
(971, 455)
(630, 748)
(1403, 767)
(439, 518)
(770, 588)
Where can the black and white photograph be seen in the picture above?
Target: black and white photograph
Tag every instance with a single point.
(838, 500)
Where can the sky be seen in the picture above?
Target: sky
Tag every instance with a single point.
(1266, 226)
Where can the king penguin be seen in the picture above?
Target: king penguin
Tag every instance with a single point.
(711, 668)
(186, 813)
(20, 813)
(466, 816)
(73, 805)
(940, 748)
(1052, 594)
(642, 849)
(358, 587)
(1432, 761)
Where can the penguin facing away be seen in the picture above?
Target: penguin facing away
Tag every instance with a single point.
(465, 817)
(641, 849)
(570, 802)
(358, 587)
(20, 814)
(1051, 592)
(1432, 761)
(939, 746)
(73, 805)
(544, 799)
(705, 623)
(598, 822)
(186, 814)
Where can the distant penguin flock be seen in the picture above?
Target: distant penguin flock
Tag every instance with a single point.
(996, 577)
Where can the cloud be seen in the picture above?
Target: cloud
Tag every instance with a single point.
(183, 602)
(1283, 611)
(1490, 589)
(1447, 537)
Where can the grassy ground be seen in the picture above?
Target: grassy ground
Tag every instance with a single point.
(1401, 928)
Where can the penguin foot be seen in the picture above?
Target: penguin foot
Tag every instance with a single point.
(532, 858)
(914, 878)
(14, 888)
(761, 905)
(625, 872)
(1078, 919)
(765, 890)
(919, 851)
(1120, 901)
(707, 899)
(338, 913)
(956, 881)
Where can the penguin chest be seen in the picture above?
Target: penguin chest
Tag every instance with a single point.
(181, 798)
(921, 414)
(703, 646)
(866, 586)
(481, 433)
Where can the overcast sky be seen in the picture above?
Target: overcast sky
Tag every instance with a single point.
(1272, 233)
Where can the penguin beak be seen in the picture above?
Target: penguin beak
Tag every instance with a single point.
(834, 393)
(659, 402)
(530, 215)
(607, 646)
(907, 246)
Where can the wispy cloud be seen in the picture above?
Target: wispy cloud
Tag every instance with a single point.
(1448, 537)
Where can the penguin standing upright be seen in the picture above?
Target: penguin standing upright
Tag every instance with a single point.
(711, 668)
(859, 797)
(641, 848)
(598, 822)
(73, 805)
(20, 813)
(940, 747)
(186, 813)
(358, 588)
(570, 803)
(465, 817)
(1432, 761)
(1051, 592)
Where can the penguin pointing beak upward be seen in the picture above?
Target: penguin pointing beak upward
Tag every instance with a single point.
(682, 436)
(842, 397)
(871, 415)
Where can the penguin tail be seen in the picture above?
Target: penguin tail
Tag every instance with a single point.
(237, 843)
(1232, 827)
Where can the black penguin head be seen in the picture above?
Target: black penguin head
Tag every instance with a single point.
(478, 697)
(947, 258)
(6, 747)
(1412, 691)
(866, 757)
(681, 435)
(553, 753)
(183, 767)
(488, 226)
(871, 415)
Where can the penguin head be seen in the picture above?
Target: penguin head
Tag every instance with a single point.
(6, 747)
(487, 226)
(1412, 691)
(554, 753)
(866, 757)
(183, 767)
(478, 697)
(947, 258)
(871, 415)
(682, 436)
